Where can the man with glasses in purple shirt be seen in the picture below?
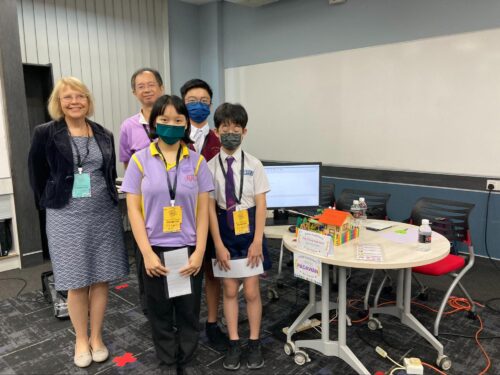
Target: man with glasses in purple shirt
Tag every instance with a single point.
(147, 86)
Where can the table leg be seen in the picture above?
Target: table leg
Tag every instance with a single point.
(402, 310)
(334, 348)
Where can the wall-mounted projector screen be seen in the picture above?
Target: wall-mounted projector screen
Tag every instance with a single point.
(429, 105)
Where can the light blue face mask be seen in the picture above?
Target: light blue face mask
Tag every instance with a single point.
(170, 134)
(198, 111)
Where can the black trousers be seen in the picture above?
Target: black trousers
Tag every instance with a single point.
(141, 272)
(175, 322)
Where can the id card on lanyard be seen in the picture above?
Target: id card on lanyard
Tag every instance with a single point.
(240, 216)
(172, 215)
(81, 181)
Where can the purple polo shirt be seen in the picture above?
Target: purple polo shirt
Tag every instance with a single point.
(146, 176)
(133, 137)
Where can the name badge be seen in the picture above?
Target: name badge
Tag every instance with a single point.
(241, 222)
(172, 219)
(81, 185)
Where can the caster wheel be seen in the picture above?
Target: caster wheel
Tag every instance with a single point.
(423, 296)
(272, 294)
(289, 348)
(444, 362)
(374, 324)
(472, 315)
(301, 357)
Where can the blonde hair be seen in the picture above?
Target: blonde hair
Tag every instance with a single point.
(54, 104)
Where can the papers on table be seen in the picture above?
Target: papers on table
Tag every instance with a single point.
(378, 225)
(239, 269)
(175, 284)
(406, 235)
(370, 252)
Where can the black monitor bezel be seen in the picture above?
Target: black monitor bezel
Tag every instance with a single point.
(269, 163)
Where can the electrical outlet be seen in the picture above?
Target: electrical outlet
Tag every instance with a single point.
(495, 183)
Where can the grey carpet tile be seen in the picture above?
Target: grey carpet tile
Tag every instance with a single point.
(32, 341)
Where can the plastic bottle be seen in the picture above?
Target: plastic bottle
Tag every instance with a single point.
(363, 207)
(424, 236)
(356, 212)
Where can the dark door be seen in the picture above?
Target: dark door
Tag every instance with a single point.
(38, 83)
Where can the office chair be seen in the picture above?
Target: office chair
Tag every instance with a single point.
(377, 202)
(451, 219)
(377, 209)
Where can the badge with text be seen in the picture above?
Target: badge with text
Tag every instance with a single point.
(241, 222)
(81, 185)
(172, 219)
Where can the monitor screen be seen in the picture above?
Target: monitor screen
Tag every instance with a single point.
(293, 185)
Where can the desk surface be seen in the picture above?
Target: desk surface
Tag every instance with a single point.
(396, 255)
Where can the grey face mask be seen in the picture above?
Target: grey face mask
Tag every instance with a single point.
(231, 141)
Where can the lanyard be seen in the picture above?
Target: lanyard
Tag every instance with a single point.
(171, 189)
(78, 156)
(149, 134)
(238, 200)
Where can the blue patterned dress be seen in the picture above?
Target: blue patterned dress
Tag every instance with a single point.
(85, 237)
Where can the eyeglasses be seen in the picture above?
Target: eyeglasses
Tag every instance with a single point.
(142, 87)
(70, 98)
(205, 101)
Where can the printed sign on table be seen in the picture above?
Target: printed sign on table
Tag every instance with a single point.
(314, 243)
(307, 267)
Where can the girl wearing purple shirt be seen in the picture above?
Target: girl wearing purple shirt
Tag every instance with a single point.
(167, 189)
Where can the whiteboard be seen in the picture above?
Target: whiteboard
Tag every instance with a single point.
(428, 105)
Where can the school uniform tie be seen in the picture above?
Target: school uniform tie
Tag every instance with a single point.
(230, 191)
(197, 140)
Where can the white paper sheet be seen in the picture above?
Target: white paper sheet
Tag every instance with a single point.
(176, 284)
(238, 269)
(370, 252)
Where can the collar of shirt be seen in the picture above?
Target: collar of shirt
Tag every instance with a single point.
(154, 152)
(205, 129)
(236, 154)
(142, 120)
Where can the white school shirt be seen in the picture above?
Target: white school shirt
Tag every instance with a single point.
(199, 139)
(254, 181)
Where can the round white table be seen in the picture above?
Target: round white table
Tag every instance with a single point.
(397, 255)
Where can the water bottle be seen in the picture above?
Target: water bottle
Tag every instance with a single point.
(424, 236)
(363, 207)
(356, 212)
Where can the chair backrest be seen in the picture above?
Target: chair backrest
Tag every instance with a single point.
(377, 202)
(450, 218)
(327, 196)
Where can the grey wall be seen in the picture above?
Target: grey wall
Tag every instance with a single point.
(294, 28)
(184, 43)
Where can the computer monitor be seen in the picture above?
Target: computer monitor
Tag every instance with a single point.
(293, 185)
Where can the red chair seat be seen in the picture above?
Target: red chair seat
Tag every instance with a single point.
(442, 267)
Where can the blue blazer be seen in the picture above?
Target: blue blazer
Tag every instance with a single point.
(50, 163)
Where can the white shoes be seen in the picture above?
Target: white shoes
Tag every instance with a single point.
(100, 355)
(83, 359)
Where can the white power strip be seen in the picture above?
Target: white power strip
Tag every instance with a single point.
(413, 366)
(307, 324)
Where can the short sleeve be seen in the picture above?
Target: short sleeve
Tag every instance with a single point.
(261, 183)
(205, 179)
(133, 177)
(125, 151)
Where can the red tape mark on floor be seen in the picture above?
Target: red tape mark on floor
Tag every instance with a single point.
(124, 359)
(123, 286)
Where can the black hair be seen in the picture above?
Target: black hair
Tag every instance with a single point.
(159, 107)
(155, 72)
(227, 113)
(195, 84)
